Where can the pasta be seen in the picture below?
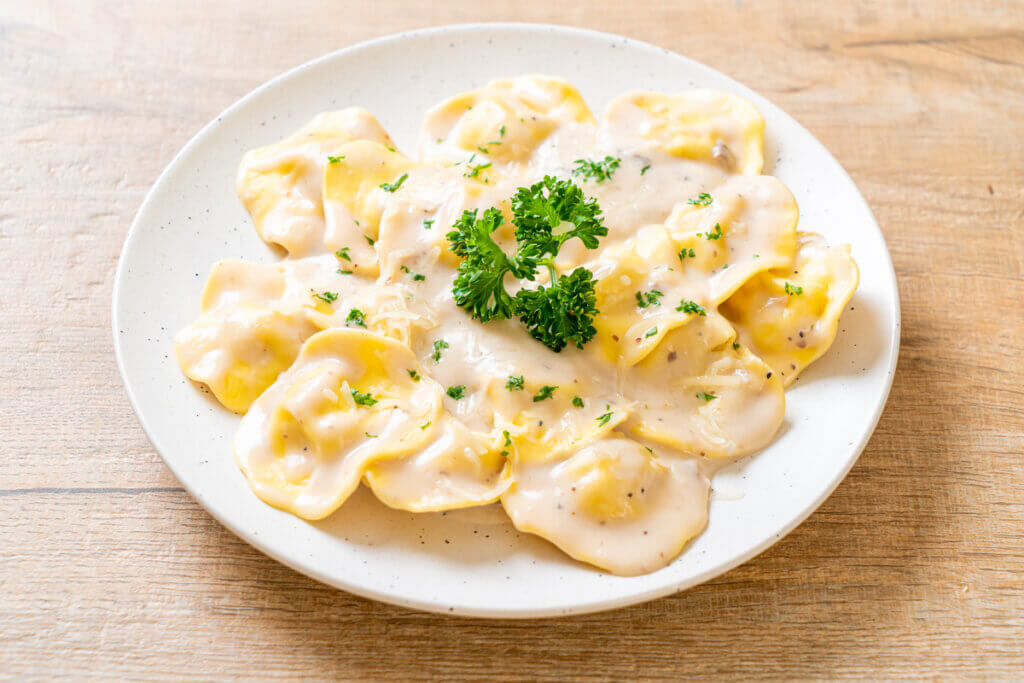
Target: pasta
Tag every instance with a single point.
(577, 319)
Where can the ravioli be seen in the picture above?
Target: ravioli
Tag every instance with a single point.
(503, 122)
(611, 503)
(703, 125)
(788, 316)
(354, 364)
(348, 400)
(280, 184)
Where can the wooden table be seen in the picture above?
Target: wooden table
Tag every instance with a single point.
(914, 567)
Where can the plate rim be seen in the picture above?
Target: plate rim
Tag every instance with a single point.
(425, 604)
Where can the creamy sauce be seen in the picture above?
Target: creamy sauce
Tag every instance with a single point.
(351, 360)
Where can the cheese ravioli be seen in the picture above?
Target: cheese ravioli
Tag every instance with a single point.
(692, 301)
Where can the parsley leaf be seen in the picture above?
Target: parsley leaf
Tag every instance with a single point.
(687, 252)
(598, 171)
(645, 169)
(480, 283)
(326, 297)
(395, 185)
(438, 345)
(474, 170)
(544, 392)
(457, 392)
(415, 375)
(356, 317)
(602, 420)
(508, 437)
(362, 399)
(704, 396)
(514, 383)
(714, 234)
(562, 313)
(651, 332)
(793, 290)
(343, 254)
(644, 300)
(691, 307)
(428, 224)
(334, 160)
(541, 209)
(577, 401)
(703, 199)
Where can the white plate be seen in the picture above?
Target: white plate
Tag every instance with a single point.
(473, 562)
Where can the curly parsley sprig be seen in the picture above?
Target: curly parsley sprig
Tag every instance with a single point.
(546, 215)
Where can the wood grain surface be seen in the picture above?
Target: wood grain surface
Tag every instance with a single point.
(913, 568)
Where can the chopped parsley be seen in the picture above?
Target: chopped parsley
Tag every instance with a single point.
(686, 306)
(428, 224)
(356, 317)
(714, 234)
(514, 383)
(415, 375)
(326, 297)
(395, 185)
(645, 169)
(501, 130)
(793, 290)
(735, 346)
(546, 391)
(651, 332)
(457, 392)
(684, 252)
(577, 401)
(343, 254)
(703, 199)
(704, 396)
(602, 420)
(426, 424)
(473, 171)
(418, 277)
(438, 345)
(646, 299)
(598, 171)
(335, 160)
(362, 399)
(508, 438)
(369, 240)
(341, 271)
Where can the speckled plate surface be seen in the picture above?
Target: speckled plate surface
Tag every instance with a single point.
(474, 562)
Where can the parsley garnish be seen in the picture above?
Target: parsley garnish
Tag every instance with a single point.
(544, 392)
(557, 314)
(362, 399)
(418, 277)
(508, 437)
(793, 290)
(438, 345)
(344, 272)
(326, 297)
(415, 375)
(704, 396)
(514, 383)
(643, 300)
(369, 240)
(457, 392)
(356, 317)
(577, 401)
(334, 160)
(703, 199)
(502, 130)
(598, 171)
(735, 346)
(651, 332)
(691, 307)
(426, 424)
(343, 254)
(645, 169)
(428, 224)
(713, 235)
(602, 420)
(395, 185)
(687, 252)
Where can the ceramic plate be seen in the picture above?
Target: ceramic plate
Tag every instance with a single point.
(474, 562)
